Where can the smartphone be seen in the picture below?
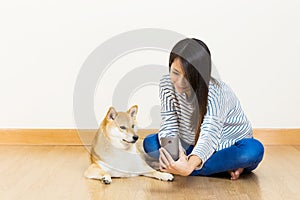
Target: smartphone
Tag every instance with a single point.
(171, 144)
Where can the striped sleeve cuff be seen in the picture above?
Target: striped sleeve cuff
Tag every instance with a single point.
(169, 126)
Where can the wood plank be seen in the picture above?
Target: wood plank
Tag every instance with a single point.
(56, 172)
(39, 137)
(85, 136)
(278, 136)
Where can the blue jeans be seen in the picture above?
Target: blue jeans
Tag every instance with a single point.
(246, 153)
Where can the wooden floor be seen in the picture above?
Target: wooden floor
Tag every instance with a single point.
(56, 172)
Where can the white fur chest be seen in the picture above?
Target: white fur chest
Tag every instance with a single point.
(120, 162)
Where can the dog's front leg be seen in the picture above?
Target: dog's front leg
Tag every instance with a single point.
(160, 175)
(96, 172)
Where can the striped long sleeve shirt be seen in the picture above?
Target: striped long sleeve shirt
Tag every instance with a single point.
(223, 124)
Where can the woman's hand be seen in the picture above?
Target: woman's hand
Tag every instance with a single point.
(179, 167)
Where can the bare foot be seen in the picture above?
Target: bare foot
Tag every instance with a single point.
(236, 174)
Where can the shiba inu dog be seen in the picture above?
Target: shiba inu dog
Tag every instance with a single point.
(114, 151)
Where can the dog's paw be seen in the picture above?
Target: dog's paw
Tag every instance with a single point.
(106, 179)
(165, 176)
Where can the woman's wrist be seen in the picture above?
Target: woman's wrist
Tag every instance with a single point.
(193, 162)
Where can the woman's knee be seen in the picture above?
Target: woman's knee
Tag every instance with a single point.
(252, 151)
(151, 143)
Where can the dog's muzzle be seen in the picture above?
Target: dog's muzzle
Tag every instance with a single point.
(135, 138)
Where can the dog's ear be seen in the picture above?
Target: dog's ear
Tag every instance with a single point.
(133, 111)
(111, 114)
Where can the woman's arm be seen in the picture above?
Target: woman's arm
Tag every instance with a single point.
(168, 101)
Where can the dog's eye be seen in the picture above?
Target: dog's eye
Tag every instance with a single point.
(132, 126)
(123, 127)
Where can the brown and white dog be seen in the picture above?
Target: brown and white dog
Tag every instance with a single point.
(114, 151)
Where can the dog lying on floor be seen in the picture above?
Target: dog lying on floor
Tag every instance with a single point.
(114, 151)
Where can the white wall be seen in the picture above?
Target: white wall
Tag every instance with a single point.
(43, 44)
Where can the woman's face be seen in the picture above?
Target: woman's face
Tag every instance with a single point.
(177, 77)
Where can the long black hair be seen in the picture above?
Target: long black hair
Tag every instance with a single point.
(196, 63)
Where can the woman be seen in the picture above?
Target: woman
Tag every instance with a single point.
(215, 134)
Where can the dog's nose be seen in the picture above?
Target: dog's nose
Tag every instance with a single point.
(135, 137)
